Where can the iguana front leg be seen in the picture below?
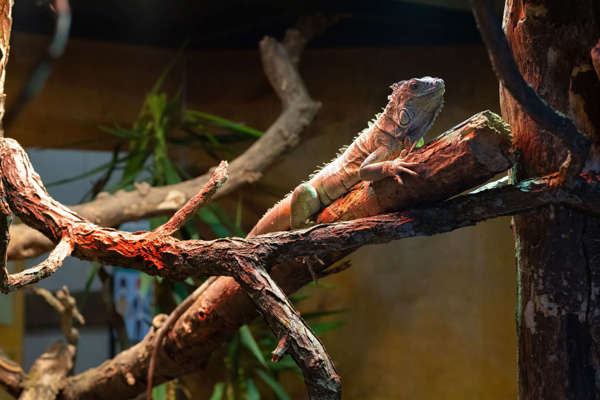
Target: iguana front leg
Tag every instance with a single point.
(373, 169)
(304, 203)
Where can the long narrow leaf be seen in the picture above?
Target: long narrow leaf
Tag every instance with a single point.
(86, 174)
(251, 392)
(225, 123)
(273, 384)
(249, 342)
(218, 391)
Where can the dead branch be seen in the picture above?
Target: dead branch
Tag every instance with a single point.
(46, 376)
(508, 73)
(296, 337)
(11, 376)
(66, 307)
(216, 180)
(145, 202)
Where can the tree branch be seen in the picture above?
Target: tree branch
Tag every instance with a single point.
(145, 202)
(11, 376)
(46, 376)
(508, 73)
(296, 337)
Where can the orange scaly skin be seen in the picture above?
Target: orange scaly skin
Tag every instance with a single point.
(412, 108)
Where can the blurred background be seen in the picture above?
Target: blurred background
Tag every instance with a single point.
(418, 318)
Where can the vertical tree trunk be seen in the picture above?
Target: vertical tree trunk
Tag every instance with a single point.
(557, 249)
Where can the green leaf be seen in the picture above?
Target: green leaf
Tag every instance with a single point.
(287, 363)
(319, 314)
(218, 391)
(159, 392)
(249, 342)
(251, 392)
(180, 291)
(225, 123)
(226, 220)
(273, 384)
(87, 173)
(155, 222)
(210, 218)
(420, 143)
(322, 327)
(145, 283)
(128, 134)
(298, 297)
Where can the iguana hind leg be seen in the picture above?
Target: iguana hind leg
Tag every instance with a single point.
(305, 202)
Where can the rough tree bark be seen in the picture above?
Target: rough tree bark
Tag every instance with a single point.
(557, 249)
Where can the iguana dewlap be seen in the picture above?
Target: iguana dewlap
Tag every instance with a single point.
(373, 155)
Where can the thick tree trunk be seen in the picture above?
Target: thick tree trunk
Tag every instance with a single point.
(557, 249)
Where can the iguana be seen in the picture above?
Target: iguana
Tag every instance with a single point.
(373, 155)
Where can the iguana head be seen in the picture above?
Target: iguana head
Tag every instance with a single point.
(414, 105)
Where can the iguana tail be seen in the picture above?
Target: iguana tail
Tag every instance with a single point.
(275, 220)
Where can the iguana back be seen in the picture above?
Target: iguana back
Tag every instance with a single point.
(412, 108)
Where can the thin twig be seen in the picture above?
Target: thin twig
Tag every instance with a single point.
(44, 269)
(508, 73)
(216, 180)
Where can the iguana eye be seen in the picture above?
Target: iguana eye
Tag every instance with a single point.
(414, 86)
(404, 117)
